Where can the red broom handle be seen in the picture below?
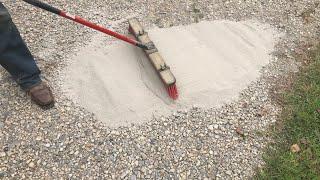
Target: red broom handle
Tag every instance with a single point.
(97, 27)
(82, 21)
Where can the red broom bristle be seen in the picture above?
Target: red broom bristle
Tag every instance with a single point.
(173, 92)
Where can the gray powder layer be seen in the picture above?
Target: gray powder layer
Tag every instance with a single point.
(212, 61)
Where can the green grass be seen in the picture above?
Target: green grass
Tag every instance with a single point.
(300, 125)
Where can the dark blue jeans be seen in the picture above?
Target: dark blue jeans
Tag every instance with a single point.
(15, 57)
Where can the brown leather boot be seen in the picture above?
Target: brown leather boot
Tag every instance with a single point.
(42, 95)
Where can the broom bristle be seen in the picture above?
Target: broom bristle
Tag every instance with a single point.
(172, 91)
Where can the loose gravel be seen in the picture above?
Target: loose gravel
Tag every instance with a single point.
(218, 143)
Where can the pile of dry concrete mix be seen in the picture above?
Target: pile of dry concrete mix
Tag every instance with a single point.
(212, 61)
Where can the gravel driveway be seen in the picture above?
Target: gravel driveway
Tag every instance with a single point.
(218, 143)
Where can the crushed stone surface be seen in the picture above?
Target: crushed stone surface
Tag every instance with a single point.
(69, 142)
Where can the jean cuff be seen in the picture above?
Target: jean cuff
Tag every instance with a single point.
(29, 85)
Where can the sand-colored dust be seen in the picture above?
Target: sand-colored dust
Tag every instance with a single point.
(212, 62)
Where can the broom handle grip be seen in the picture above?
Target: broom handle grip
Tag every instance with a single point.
(82, 21)
(43, 6)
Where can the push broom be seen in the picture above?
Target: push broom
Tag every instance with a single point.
(141, 40)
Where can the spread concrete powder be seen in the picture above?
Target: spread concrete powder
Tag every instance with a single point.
(212, 62)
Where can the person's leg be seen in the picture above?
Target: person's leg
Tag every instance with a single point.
(15, 57)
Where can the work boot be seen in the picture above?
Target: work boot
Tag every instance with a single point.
(42, 95)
